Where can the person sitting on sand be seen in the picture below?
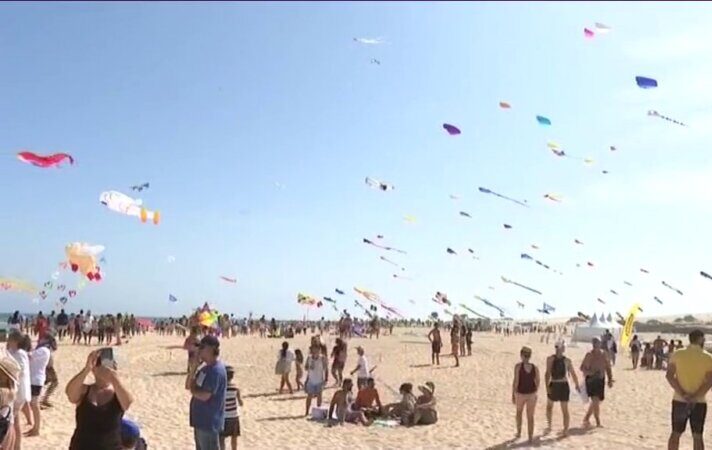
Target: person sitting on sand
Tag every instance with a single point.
(595, 366)
(635, 351)
(425, 412)
(100, 406)
(436, 343)
(341, 401)
(524, 388)
(284, 366)
(317, 376)
(366, 398)
(405, 407)
(558, 369)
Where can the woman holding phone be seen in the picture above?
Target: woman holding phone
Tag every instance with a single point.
(100, 406)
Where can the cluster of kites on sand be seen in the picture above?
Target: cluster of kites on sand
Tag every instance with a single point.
(85, 259)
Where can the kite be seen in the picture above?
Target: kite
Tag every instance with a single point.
(369, 242)
(505, 280)
(48, 285)
(375, 61)
(545, 121)
(548, 307)
(601, 28)
(645, 82)
(441, 298)
(72, 293)
(658, 300)
(452, 130)
(329, 299)
(669, 119)
(490, 304)
(465, 214)
(61, 288)
(576, 241)
(467, 308)
(644, 270)
(588, 33)
(472, 252)
(590, 264)
(544, 311)
(122, 203)
(612, 148)
(553, 198)
(140, 187)
(208, 318)
(434, 315)
(672, 288)
(583, 316)
(411, 301)
(601, 301)
(304, 299)
(620, 316)
(172, 298)
(340, 292)
(613, 292)
(530, 258)
(63, 300)
(369, 41)
(43, 295)
(535, 247)
(392, 310)
(487, 191)
(628, 283)
(44, 161)
(379, 236)
(604, 172)
(229, 280)
(454, 197)
(171, 259)
(706, 275)
(627, 333)
(393, 263)
(370, 296)
(410, 219)
(82, 257)
(507, 226)
(400, 277)
(451, 251)
(520, 304)
(15, 285)
(372, 182)
(504, 105)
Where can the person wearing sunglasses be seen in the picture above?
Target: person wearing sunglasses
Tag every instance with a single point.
(524, 389)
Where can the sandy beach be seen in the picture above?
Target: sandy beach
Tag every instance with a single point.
(474, 400)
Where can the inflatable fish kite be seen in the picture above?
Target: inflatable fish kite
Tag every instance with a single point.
(82, 258)
(44, 161)
(122, 203)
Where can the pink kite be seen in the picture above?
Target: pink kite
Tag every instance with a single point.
(588, 34)
(504, 105)
(44, 161)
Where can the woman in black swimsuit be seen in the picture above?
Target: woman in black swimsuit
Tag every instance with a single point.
(558, 368)
(100, 406)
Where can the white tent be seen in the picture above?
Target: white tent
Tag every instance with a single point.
(597, 327)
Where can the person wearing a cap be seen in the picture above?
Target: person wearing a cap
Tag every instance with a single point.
(207, 385)
(595, 367)
(425, 412)
(131, 436)
(558, 369)
(9, 377)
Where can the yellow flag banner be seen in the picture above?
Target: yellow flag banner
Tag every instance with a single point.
(627, 333)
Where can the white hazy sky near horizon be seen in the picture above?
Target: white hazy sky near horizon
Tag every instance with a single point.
(257, 124)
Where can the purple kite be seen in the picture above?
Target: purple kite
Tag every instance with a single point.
(452, 130)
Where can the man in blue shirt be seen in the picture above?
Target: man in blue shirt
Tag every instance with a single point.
(207, 385)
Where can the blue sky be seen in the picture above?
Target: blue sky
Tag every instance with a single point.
(214, 104)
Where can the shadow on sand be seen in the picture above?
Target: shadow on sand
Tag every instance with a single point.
(539, 441)
(169, 374)
(278, 418)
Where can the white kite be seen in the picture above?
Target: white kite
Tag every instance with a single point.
(122, 203)
(369, 41)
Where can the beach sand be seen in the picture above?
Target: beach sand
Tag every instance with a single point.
(474, 400)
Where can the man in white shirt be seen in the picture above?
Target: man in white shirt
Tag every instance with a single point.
(22, 395)
(361, 368)
(39, 358)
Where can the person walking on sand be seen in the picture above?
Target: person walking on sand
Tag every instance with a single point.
(436, 343)
(362, 368)
(317, 375)
(285, 357)
(558, 369)
(635, 351)
(524, 388)
(595, 366)
(689, 373)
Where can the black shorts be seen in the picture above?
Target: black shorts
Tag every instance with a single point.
(595, 387)
(436, 346)
(231, 428)
(559, 392)
(695, 412)
(35, 390)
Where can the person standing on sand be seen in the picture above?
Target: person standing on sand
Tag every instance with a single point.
(595, 366)
(317, 375)
(23, 393)
(208, 387)
(524, 388)
(689, 373)
(558, 369)
(659, 350)
(635, 351)
(455, 341)
(436, 343)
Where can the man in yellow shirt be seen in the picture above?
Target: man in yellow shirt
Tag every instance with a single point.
(689, 373)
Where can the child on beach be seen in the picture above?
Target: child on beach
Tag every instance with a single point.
(299, 366)
(233, 403)
(341, 401)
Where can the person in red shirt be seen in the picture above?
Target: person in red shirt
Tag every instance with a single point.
(41, 325)
(366, 398)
